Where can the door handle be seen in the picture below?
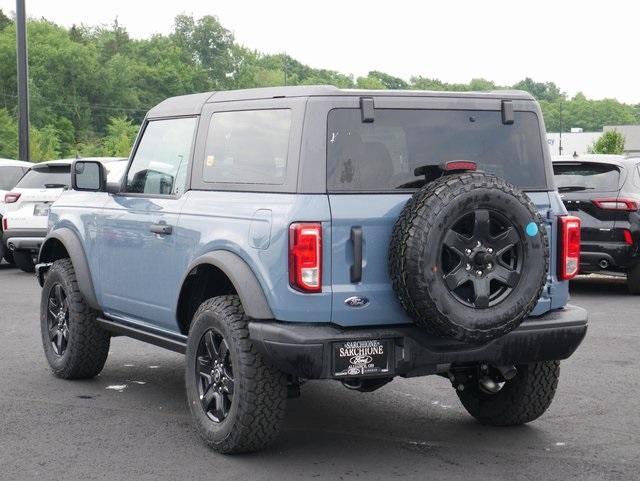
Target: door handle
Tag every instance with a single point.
(356, 268)
(162, 229)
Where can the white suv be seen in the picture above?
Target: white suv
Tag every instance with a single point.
(27, 205)
(11, 171)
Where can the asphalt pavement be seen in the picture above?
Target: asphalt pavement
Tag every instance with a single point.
(132, 422)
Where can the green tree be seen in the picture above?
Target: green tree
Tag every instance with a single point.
(4, 20)
(610, 142)
(547, 91)
(45, 144)
(8, 135)
(389, 81)
(121, 133)
(370, 82)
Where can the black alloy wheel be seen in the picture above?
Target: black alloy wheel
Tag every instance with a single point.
(58, 319)
(482, 258)
(214, 374)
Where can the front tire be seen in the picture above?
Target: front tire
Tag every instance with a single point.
(24, 261)
(236, 399)
(75, 346)
(521, 400)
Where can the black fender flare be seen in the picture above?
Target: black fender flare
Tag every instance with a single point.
(241, 276)
(73, 246)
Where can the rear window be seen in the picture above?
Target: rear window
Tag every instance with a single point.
(9, 176)
(383, 155)
(586, 176)
(46, 177)
(248, 147)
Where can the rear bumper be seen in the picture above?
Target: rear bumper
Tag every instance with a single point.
(305, 350)
(605, 256)
(24, 239)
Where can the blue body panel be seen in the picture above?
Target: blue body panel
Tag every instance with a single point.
(376, 215)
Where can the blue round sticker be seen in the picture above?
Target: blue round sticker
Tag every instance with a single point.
(531, 229)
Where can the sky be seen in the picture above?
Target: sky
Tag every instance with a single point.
(582, 46)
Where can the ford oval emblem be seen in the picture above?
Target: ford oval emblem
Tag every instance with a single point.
(357, 301)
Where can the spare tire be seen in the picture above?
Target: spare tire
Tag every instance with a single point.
(469, 257)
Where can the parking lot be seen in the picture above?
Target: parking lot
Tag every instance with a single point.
(132, 422)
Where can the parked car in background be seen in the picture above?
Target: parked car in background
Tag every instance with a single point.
(27, 206)
(604, 192)
(11, 171)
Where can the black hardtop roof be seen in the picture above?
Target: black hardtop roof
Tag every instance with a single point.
(192, 104)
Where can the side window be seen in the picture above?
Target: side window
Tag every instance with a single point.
(248, 147)
(161, 161)
(636, 177)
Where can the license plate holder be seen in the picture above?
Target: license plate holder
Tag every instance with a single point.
(358, 358)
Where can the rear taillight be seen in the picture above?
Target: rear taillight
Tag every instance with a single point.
(628, 238)
(11, 197)
(615, 203)
(5, 224)
(569, 261)
(305, 256)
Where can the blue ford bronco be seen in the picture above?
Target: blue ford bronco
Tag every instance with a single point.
(285, 234)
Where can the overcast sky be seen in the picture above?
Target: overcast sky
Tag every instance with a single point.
(588, 46)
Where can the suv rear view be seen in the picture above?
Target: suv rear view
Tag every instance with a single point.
(282, 235)
(604, 192)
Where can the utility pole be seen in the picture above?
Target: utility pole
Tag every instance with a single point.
(23, 82)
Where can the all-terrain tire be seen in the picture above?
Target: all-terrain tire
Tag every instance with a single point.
(24, 261)
(521, 400)
(87, 344)
(415, 264)
(633, 278)
(259, 396)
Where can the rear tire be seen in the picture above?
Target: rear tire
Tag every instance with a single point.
(75, 346)
(236, 399)
(8, 256)
(633, 278)
(24, 261)
(521, 400)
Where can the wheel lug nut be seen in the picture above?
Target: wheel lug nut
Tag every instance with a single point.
(489, 266)
(479, 273)
(490, 250)
(468, 267)
(467, 251)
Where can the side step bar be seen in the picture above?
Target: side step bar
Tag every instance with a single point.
(173, 342)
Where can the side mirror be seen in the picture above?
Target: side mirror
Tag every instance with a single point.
(88, 175)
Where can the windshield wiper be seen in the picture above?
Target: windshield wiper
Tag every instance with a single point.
(573, 188)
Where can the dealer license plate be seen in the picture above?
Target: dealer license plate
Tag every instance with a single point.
(361, 358)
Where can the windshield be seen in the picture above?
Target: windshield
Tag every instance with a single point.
(383, 154)
(586, 176)
(40, 178)
(9, 176)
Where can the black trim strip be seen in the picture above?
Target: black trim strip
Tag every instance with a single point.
(176, 344)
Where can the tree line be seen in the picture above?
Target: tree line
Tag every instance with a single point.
(90, 86)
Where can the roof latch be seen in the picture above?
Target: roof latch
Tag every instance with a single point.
(367, 109)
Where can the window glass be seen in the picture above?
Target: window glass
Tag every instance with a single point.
(46, 177)
(9, 177)
(115, 170)
(161, 160)
(586, 176)
(383, 154)
(248, 147)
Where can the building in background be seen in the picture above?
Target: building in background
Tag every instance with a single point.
(575, 141)
(631, 137)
